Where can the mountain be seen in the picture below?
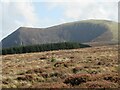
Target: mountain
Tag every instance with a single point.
(86, 31)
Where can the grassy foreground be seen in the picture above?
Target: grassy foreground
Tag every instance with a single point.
(94, 67)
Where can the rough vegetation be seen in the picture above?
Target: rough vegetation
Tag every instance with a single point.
(94, 67)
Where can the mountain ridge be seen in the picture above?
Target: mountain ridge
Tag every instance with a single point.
(80, 31)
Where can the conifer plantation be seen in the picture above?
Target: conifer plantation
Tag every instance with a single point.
(43, 47)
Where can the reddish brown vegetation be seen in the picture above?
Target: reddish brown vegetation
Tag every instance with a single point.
(38, 70)
(94, 67)
(99, 84)
(77, 79)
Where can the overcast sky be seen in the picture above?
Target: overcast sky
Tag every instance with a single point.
(45, 13)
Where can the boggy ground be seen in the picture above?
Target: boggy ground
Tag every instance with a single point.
(94, 67)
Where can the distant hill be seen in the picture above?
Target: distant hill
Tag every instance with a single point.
(86, 31)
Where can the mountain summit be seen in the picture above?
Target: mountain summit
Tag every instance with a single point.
(80, 31)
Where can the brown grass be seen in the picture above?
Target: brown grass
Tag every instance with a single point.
(95, 67)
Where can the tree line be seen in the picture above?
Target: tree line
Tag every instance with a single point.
(42, 47)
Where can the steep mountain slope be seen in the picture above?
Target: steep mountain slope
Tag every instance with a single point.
(80, 31)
